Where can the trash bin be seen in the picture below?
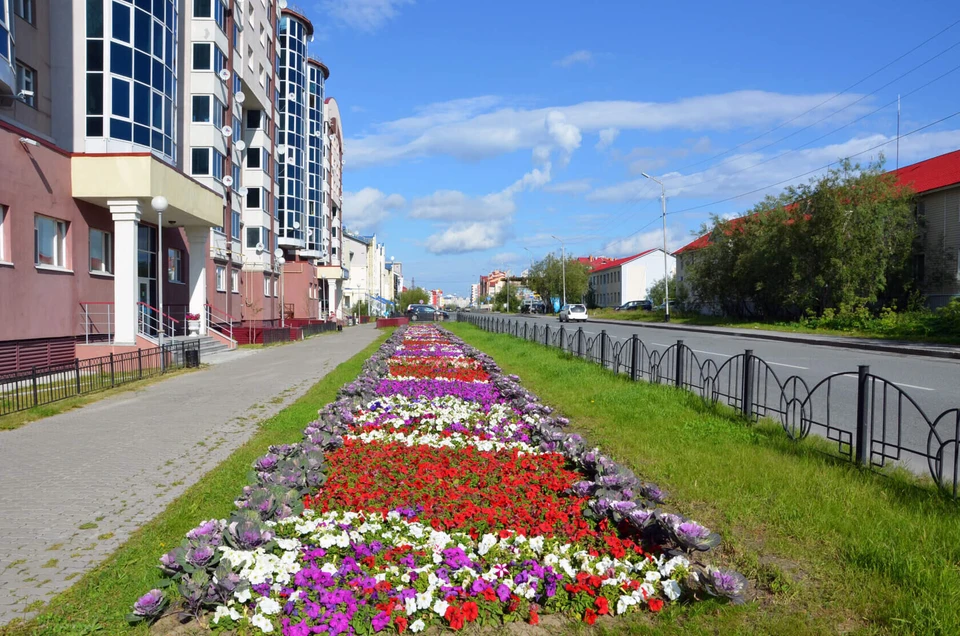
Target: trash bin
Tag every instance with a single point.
(192, 358)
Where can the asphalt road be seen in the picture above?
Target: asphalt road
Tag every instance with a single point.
(933, 383)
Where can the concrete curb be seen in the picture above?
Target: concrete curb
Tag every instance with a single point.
(819, 341)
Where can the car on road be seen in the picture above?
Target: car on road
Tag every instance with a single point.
(646, 305)
(570, 313)
(417, 313)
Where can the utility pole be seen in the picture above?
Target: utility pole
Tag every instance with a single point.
(666, 271)
(563, 267)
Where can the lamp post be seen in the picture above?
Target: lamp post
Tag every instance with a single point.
(563, 267)
(666, 272)
(159, 204)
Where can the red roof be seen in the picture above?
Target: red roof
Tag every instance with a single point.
(923, 176)
(608, 263)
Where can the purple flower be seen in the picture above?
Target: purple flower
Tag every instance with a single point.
(726, 583)
(380, 621)
(150, 604)
(503, 593)
(200, 557)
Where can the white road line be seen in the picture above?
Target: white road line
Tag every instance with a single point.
(660, 344)
(712, 353)
(789, 366)
(909, 386)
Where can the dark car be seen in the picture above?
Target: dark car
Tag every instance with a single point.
(646, 305)
(418, 313)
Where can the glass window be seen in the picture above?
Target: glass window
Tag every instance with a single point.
(203, 8)
(121, 97)
(253, 157)
(254, 236)
(174, 265)
(234, 281)
(101, 251)
(266, 286)
(221, 278)
(3, 236)
(49, 241)
(121, 22)
(200, 161)
(25, 9)
(27, 84)
(254, 117)
(235, 225)
(253, 198)
(201, 108)
(202, 56)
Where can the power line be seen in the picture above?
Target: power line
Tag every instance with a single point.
(823, 167)
(826, 101)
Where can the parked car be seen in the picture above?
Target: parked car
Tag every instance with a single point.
(418, 313)
(646, 305)
(573, 312)
(442, 315)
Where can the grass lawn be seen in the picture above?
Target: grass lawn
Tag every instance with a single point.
(789, 327)
(16, 420)
(829, 547)
(98, 602)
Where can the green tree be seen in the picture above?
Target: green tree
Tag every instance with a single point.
(502, 297)
(679, 293)
(545, 277)
(414, 296)
(361, 309)
(844, 239)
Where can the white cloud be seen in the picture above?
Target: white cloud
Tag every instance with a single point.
(364, 210)
(607, 137)
(453, 205)
(482, 127)
(575, 186)
(468, 237)
(364, 15)
(745, 172)
(624, 246)
(577, 57)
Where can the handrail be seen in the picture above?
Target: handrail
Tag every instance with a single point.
(158, 311)
(220, 311)
(225, 333)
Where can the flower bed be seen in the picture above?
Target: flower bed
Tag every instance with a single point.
(436, 491)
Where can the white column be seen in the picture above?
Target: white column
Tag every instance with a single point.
(126, 220)
(197, 240)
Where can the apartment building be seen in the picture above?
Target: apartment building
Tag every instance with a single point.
(171, 136)
(617, 281)
(370, 278)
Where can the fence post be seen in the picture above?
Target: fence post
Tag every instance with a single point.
(111, 370)
(863, 443)
(603, 348)
(76, 368)
(635, 358)
(746, 397)
(524, 331)
(139, 363)
(678, 381)
(546, 335)
(580, 342)
(33, 375)
(563, 338)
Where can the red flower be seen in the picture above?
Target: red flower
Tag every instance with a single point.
(603, 606)
(590, 617)
(489, 595)
(400, 621)
(534, 618)
(455, 617)
(655, 605)
(470, 611)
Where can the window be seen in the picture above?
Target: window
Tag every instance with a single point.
(201, 109)
(49, 241)
(276, 288)
(203, 8)
(254, 119)
(254, 155)
(4, 258)
(27, 84)
(234, 281)
(101, 252)
(200, 161)
(266, 286)
(174, 265)
(235, 225)
(221, 278)
(202, 56)
(257, 236)
(25, 9)
(253, 198)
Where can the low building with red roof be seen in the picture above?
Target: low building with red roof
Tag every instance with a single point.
(614, 281)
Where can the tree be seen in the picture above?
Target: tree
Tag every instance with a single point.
(679, 293)
(361, 309)
(414, 296)
(844, 239)
(545, 277)
(500, 299)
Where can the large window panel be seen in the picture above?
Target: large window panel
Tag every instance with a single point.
(200, 162)
(101, 252)
(201, 109)
(202, 56)
(121, 22)
(50, 240)
(121, 97)
(121, 59)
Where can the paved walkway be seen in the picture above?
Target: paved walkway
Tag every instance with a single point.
(73, 487)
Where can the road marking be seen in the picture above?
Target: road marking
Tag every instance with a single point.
(909, 386)
(790, 366)
(660, 344)
(712, 353)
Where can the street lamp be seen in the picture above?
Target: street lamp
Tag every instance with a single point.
(159, 204)
(563, 266)
(666, 272)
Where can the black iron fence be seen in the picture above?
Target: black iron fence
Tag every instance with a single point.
(278, 334)
(311, 330)
(874, 425)
(43, 385)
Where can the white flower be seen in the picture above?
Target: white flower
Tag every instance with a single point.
(417, 626)
(440, 607)
(625, 602)
(410, 605)
(536, 544)
(671, 589)
(261, 621)
(243, 596)
(652, 577)
(224, 611)
(268, 606)
(288, 544)
(425, 599)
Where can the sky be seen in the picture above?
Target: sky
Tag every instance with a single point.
(476, 132)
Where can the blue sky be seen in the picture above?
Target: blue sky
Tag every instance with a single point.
(475, 130)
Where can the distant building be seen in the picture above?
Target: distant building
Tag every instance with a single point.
(616, 281)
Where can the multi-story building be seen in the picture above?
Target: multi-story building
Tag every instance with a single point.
(214, 106)
(617, 281)
(474, 293)
(370, 278)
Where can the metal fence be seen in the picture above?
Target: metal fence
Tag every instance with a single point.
(879, 425)
(311, 330)
(44, 385)
(278, 334)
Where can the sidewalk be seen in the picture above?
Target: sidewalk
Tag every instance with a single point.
(73, 487)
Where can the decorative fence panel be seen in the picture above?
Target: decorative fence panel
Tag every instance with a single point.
(881, 425)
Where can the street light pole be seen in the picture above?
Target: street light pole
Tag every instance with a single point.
(666, 272)
(159, 204)
(563, 267)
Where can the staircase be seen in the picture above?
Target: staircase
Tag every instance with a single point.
(208, 344)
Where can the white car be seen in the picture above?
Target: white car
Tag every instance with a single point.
(570, 313)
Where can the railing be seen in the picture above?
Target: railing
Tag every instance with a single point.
(881, 425)
(277, 334)
(150, 322)
(97, 321)
(43, 385)
(311, 330)
(221, 323)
